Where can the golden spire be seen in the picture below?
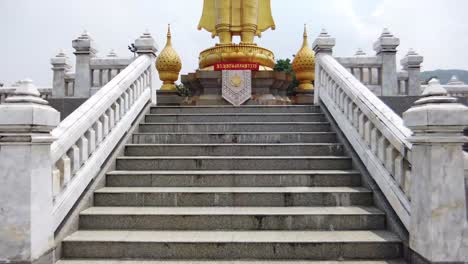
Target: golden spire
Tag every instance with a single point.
(304, 64)
(168, 64)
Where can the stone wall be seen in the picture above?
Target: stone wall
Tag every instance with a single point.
(66, 106)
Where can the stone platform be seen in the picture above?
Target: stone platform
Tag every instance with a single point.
(268, 88)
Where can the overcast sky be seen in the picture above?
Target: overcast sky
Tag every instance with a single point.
(32, 31)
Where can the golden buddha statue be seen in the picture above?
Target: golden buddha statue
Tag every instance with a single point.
(244, 18)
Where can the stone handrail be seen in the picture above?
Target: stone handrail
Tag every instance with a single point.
(5, 92)
(87, 137)
(377, 134)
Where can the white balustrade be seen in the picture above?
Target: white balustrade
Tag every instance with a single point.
(103, 70)
(374, 130)
(86, 138)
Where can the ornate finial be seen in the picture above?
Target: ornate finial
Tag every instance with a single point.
(112, 53)
(455, 81)
(360, 52)
(168, 64)
(435, 93)
(85, 35)
(26, 92)
(306, 38)
(411, 52)
(386, 33)
(61, 54)
(305, 30)
(324, 33)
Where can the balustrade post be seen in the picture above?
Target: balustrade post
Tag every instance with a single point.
(84, 50)
(386, 48)
(60, 66)
(323, 44)
(26, 195)
(438, 199)
(145, 44)
(412, 64)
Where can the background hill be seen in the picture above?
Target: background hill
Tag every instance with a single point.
(445, 75)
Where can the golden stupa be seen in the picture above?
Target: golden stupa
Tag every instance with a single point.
(168, 65)
(228, 18)
(304, 65)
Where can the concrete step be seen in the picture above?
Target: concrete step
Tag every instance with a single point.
(230, 218)
(297, 149)
(235, 127)
(213, 245)
(228, 137)
(314, 178)
(234, 163)
(232, 109)
(110, 261)
(233, 196)
(235, 117)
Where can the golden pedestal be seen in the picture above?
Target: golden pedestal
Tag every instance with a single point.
(247, 53)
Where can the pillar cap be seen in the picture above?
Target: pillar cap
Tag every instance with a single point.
(145, 44)
(387, 42)
(324, 42)
(412, 60)
(436, 112)
(84, 44)
(26, 112)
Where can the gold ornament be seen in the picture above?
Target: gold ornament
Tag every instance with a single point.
(168, 65)
(304, 65)
(228, 18)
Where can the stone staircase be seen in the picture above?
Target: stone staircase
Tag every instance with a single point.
(233, 185)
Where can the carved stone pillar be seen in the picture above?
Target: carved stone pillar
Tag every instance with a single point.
(438, 199)
(386, 48)
(26, 234)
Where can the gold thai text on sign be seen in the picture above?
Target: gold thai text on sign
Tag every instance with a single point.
(236, 66)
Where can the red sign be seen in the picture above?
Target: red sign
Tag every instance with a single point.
(225, 66)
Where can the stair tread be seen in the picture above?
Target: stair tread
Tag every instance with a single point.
(103, 261)
(233, 190)
(234, 123)
(232, 157)
(237, 114)
(233, 172)
(234, 236)
(238, 144)
(231, 106)
(195, 211)
(235, 133)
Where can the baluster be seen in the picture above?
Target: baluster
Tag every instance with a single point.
(367, 132)
(64, 166)
(99, 132)
(390, 156)
(112, 118)
(345, 105)
(399, 171)
(126, 101)
(74, 155)
(382, 147)
(83, 146)
(374, 139)
(350, 110)
(56, 182)
(117, 112)
(362, 122)
(356, 114)
(122, 107)
(131, 94)
(91, 136)
(105, 124)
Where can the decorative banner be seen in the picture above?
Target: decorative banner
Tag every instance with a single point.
(225, 66)
(237, 86)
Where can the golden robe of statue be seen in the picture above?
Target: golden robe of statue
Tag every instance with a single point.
(244, 18)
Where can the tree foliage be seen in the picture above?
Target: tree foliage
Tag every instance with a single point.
(285, 65)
